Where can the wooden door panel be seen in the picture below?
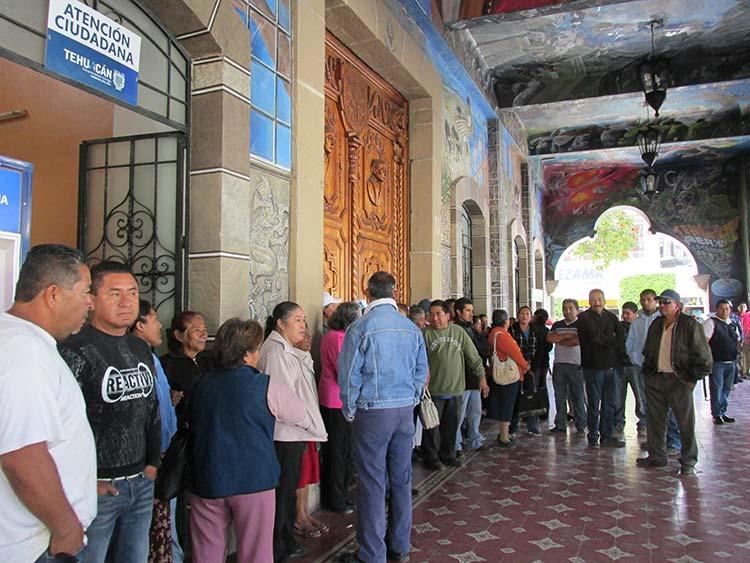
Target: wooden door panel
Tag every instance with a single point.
(366, 203)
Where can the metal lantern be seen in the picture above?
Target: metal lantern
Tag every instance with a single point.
(655, 74)
(649, 183)
(649, 141)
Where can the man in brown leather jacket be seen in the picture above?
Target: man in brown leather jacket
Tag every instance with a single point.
(676, 356)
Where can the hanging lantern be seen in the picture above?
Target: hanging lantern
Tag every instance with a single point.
(649, 183)
(649, 141)
(655, 75)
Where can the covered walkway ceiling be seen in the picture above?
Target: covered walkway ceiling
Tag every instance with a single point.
(568, 69)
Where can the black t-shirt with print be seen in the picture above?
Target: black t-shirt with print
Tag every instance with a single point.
(117, 377)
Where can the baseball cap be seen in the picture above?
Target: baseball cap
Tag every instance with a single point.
(670, 294)
(328, 299)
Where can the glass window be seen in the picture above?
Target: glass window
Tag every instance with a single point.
(269, 22)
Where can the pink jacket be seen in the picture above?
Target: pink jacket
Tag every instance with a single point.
(328, 386)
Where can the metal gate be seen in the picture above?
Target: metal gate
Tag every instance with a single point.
(131, 208)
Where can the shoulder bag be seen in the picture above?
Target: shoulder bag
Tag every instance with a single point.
(428, 413)
(504, 372)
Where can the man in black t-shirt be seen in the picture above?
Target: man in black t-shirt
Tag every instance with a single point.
(116, 373)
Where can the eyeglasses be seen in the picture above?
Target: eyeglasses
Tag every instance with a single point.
(664, 301)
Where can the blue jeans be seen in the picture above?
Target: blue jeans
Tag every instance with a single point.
(720, 385)
(177, 555)
(629, 375)
(567, 380)
(601, 393)
(471, 410)
(122, 523)
(382, 446)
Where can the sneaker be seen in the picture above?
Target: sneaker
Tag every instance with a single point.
(558, 430)
(535, 432)
(673, 452)
(613, 443)
(650, 462)
(718, 421)
(687, 471)
(726, 418)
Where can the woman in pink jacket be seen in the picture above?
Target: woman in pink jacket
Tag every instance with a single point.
(336, 452)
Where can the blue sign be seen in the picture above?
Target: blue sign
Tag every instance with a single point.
(10, 200)
(92, 49)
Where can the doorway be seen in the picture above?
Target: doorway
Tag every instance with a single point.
(365, 199)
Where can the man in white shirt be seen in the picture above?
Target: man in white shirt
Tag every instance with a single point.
(47, 453)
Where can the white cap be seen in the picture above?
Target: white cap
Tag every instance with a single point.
(328, 299)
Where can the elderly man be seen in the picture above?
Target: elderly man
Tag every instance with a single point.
(600, 337)
(675, 357)
(47, 452)
(724, 337)
(382, 371)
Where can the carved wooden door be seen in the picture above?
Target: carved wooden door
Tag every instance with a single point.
(365, 200)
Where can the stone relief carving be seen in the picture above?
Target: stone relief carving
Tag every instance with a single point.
(269, 244)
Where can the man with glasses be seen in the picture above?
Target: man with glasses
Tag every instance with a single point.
(675, 357)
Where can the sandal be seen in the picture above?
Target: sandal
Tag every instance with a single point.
(308, 533)
(322, 528)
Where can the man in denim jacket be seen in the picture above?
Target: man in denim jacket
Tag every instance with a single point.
(382, 371)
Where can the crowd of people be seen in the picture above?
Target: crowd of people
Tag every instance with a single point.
(87, 410)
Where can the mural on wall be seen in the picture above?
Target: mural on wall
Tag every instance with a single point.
(553, 53)
(697, 205)
(704, 112)
(464, 155)
(269, 243)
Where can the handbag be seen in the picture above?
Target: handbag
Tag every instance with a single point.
(170, 479)
(533, 402)
(504, 372)
(428, 413)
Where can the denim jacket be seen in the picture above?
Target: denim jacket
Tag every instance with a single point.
(383, 363)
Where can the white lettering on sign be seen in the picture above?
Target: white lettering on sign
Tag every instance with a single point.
(89, 27)
(4, 200)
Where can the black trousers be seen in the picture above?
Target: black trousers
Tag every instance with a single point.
(440, 442)
(336, 459)
(289, 455)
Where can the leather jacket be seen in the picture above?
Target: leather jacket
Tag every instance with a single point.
(691, 356)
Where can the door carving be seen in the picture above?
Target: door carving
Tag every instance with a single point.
(365, 199)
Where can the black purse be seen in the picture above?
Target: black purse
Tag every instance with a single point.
(533, 402)
(171, 477)
(174, 473)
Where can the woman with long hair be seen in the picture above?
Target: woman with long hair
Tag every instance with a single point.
(502, 399)
(280, 359)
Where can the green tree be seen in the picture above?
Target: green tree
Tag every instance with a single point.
(616, 236)
(631, 286)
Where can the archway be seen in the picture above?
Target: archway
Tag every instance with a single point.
(657, 261)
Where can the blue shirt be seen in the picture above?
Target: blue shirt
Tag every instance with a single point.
(166, 410)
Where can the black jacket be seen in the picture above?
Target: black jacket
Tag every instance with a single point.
(691, 356)
(483, 349)
(600, 336)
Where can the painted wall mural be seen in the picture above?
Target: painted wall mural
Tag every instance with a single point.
(464, 155)
(697, 205)
(553, 53)
(703, 112)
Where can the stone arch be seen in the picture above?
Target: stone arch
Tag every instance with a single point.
(465, 194)
(518, 265)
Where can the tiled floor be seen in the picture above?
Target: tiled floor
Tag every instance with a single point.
(553, 499)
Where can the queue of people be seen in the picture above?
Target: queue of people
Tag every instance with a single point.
(87, 410)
